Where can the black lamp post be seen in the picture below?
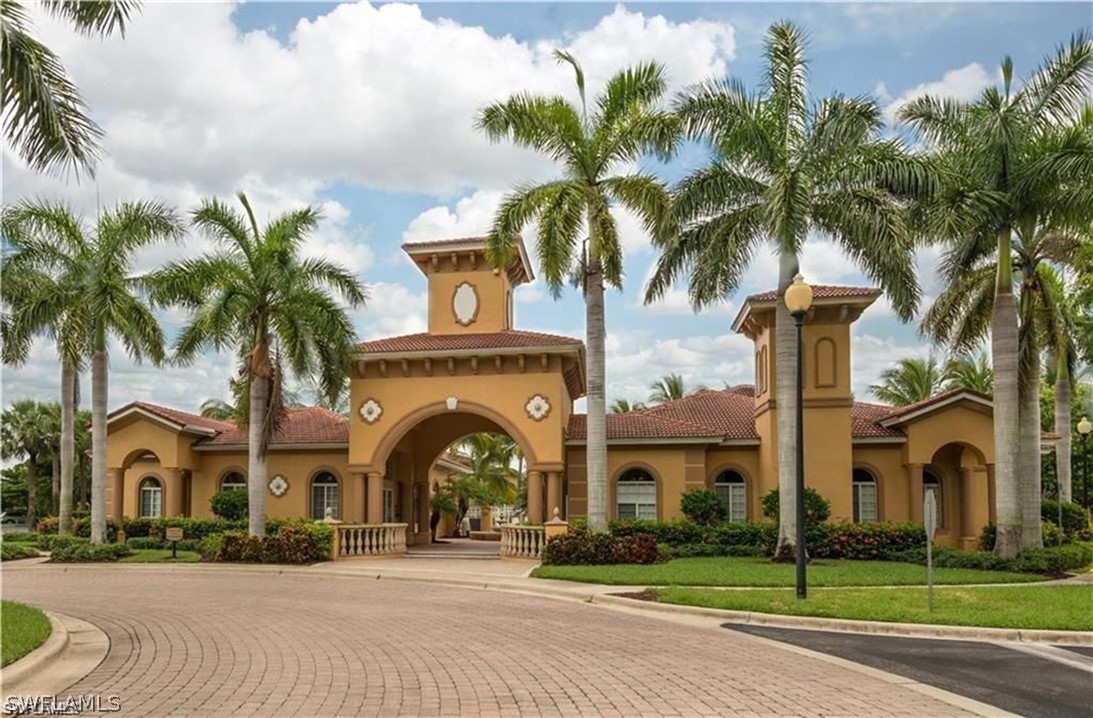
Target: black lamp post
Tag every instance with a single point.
(798, 300)
(1084, 427)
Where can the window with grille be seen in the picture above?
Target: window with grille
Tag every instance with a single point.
(731, 489)
(233, 481)
(865, 496)
(324, 495)
(151, 498)
(636, 495)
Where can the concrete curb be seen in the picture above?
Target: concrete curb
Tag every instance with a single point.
(73, 649)
(17, 672)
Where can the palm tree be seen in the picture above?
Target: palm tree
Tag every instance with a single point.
(490, 479)
(85, 284)
(1059, 319)
(969, 372)
(783, 170)
(1014, 163)
(257, 295)
(576, 232)
(909, 381)
(45, 118)
(669, 388)
(218, 409)
(623, 406)
(25, 431)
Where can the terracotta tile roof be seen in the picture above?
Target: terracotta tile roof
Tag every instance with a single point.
(821, 291)
(639, 425)
(301, 425)
(442, 243)
(725, 412)
(743, 389)
(509, 339)
(865, 418)
(935, 399)
(175, 416)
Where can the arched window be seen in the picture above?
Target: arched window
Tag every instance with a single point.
(730, 488)
(324, 495)
(932, 484)
(865, 496)
(233, 481)
(636, 495)
(151, 498)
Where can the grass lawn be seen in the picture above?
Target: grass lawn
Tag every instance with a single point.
(22, 629)
(760, 572)
(160, 555)
(1044, 607)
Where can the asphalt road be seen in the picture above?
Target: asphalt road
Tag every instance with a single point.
(1007, 677)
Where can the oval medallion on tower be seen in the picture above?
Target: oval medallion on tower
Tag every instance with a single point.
(465, 303)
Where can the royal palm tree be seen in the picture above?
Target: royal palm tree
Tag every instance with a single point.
(257, 295)
(783, 170)
(970, 372)
(45, 118)
(1015, 161)
(25, 431)
(85, 286)
(910, 380)
(669, 388)
(576, 228)
(623, 406)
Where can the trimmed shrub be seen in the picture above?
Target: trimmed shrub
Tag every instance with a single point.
(209, 547)
(294, 541)
(230, 505)
(1050, 561)
(187, 544)
(876, 540)
(583, 548)
(50, 542)
(16, 551)
(137, 528)
(196, 528)
(1075, 522)
(666, 533)
(817, 508)
(708, 550)
(80, 527)
(89, 553)
(751, 534)
(20, 537)
(702, 506)
(145, 542)
(1051, 534)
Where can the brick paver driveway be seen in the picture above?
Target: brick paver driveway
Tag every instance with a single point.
(220, 643)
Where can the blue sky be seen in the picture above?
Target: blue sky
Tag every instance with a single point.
(368, 110)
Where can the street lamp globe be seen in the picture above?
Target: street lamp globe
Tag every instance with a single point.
(1084, 426)
(798, 296)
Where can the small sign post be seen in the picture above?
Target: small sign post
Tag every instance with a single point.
(174, 535)
(929, 518)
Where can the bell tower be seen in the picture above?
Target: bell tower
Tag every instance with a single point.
(466, 294)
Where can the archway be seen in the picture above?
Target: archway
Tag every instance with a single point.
(962, 484)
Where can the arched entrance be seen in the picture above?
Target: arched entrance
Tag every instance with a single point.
(963, 487)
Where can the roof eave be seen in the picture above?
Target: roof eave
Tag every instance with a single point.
(658, 441)
(487, 351)
(930, 408)
(329, 446)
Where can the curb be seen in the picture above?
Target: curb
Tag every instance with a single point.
(17, 672)
(842, 625)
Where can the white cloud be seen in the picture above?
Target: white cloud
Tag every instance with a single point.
(394, 310)
(964, 83)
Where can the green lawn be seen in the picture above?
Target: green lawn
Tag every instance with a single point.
(22, 629)
(760, 572)
(160, 555)
(1067, 607)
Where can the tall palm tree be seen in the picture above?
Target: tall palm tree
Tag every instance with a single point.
(577, 233)
(1015, 161)
(910, 380)
(968, 372)
(1058, 317)
(490, 479)
(623, 406)
(25, 430)
(257, 295)
(218, 409)
(45, 118)
(783, 170)
(85, 278)
(669, 388)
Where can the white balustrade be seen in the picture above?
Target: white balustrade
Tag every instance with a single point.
(371, 540)
(522, 541)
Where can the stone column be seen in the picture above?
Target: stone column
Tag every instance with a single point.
(374, 507)
(535, 496)
(914, 492)
(172, 504)
(990, 494)
(406, 509)
(115, 497)
(554, 494)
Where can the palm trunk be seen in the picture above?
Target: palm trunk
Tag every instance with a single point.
(785, 352)
(55, 481)
(69, 377)
(1028, 460)
(98, 437)
(32, 491)
(596, 442)
(1062, 427)
(256, 455)
(1006, 413)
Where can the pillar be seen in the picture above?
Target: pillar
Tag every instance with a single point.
(974, 505)
(914, 492)
(990, 494)
(535, 496)
(554, 494)
(374, 507)
(116, 494)
(406, 502)
(172, 503)
(424, 510)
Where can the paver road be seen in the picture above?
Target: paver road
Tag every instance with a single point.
(226, 643)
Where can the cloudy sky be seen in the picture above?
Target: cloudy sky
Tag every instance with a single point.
(367, 110)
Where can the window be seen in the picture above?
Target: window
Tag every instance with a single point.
(932, 484)
(865, 496)
(324, 495)
(151, 498)
(730, 488)
(636, 495)
(388, 506)
(233, 481)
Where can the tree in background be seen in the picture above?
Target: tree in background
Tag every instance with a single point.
(970, 372)
(909, 381)
(577, 232)
(669, 388)
(26, 431)
(623, 406)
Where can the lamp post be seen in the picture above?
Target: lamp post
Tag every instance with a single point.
(1084, 427)
(798, 300)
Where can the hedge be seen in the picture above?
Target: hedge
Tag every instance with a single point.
(87, 553)
(292, 541)
(80, 527)
(1052, 561)
(15, 551)
(1075, 521)
(50, 542)
(584, 548)
(1049, 533)
(192, 528)
(20, 537)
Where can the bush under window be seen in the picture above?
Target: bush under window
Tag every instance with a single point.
(230, 504)
(702, 506)
(817, 508)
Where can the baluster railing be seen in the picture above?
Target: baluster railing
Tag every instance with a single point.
(370, 540)
(522, 541)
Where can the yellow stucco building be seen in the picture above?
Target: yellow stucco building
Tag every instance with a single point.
(414, 396)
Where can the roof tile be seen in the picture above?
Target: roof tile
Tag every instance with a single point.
(821, 291)
(301, 425)
(508, 339)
